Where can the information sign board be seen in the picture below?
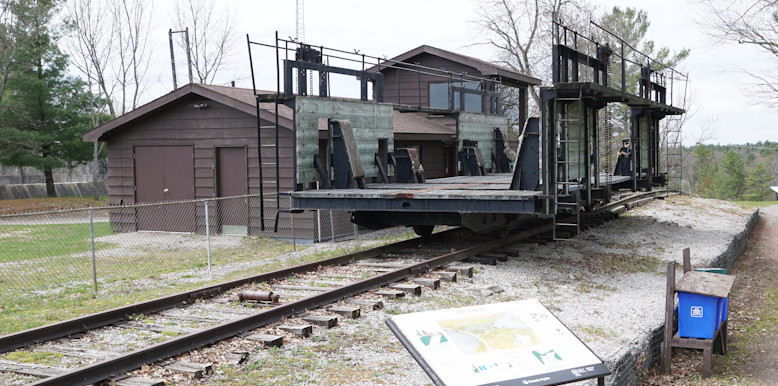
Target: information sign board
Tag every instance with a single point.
(513, 343)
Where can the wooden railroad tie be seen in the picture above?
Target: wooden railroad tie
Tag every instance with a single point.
(138, 381)
(494, 255)
(33, 369)
(482, 260)
(321, 320)
(236, 357)
(193, 370)
(267, 340)
(372, 304)
(413, 289)
(427, 282)
(303, 331)
(346, 312)
(464, 270)
(390, 294)
(446, 276)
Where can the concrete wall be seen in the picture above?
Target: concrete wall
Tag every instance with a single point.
(64, 189)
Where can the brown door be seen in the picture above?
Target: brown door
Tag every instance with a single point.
(232, 180)
(165, 173)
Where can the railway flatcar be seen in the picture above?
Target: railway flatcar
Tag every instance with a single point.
(350, 156)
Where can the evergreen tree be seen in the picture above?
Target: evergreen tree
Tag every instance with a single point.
(757, 182)
(44, 110)
(728, 182)
(704, 170)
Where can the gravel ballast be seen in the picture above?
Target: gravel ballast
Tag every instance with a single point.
(607, 286)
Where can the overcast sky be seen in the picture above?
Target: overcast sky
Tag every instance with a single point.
(721, 96)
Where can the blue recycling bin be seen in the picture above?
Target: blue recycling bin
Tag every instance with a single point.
(724, 301)
(699, 316)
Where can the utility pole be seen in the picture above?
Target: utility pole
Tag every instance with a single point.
(173, 58)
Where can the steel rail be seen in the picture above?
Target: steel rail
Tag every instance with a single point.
(111, 367)
(100, 319)
(102, 370)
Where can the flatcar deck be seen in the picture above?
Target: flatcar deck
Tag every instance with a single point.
(463, 194)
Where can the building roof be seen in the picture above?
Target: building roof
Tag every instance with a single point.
(243, 99)
(509, 76)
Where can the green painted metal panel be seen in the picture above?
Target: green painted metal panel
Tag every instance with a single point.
(576, 138)
(480, 127)
(645, 135)
(370, 121)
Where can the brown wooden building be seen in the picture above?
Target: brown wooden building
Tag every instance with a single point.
(200, 142)
(429, 86)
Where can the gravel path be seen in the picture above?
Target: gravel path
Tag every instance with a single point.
(607, 286)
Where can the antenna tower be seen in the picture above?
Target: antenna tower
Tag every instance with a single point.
(300, 22)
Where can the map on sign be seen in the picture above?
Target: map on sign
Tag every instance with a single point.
(518, 341)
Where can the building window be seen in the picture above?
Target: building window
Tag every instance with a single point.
(439, 96)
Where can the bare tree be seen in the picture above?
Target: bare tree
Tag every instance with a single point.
(213, 42)
(107, 43)
(91, 44)
(131, 23)
(752, 22)
(520, 31)
(10, 39)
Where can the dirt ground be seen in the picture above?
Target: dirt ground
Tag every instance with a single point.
(753, 322)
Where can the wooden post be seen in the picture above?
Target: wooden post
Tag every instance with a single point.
(687, 260)
(667, 349)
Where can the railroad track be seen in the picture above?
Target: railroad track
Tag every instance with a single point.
(252, 307)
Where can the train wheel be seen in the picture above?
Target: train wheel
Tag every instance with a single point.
(423, 230)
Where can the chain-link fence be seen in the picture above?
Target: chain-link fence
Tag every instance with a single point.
(45, 251)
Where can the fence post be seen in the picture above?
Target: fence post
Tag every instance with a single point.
(208, 234)
(291, 219)
(318, 223)
(332, 227)
(94, 260)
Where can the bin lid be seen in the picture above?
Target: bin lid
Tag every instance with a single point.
(705, 283)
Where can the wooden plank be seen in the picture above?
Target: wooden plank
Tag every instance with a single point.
(35, 370)
(447, 276)
(389, 294)
(206, 368)
(236, 357)
(427, 282)
(138, 381)
(466, 271)
(705, 283)
(321, 320)
(482, 260)
(303, 331)
(186, 370)
(78, 352)
(267, 340)
(413, 289)
(346, 312)
(494, 255)
(372, 304)
(155, 328)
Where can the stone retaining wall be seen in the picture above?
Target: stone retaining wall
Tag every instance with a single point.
(630, 367)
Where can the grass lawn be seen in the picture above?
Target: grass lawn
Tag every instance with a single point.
(23, 242)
